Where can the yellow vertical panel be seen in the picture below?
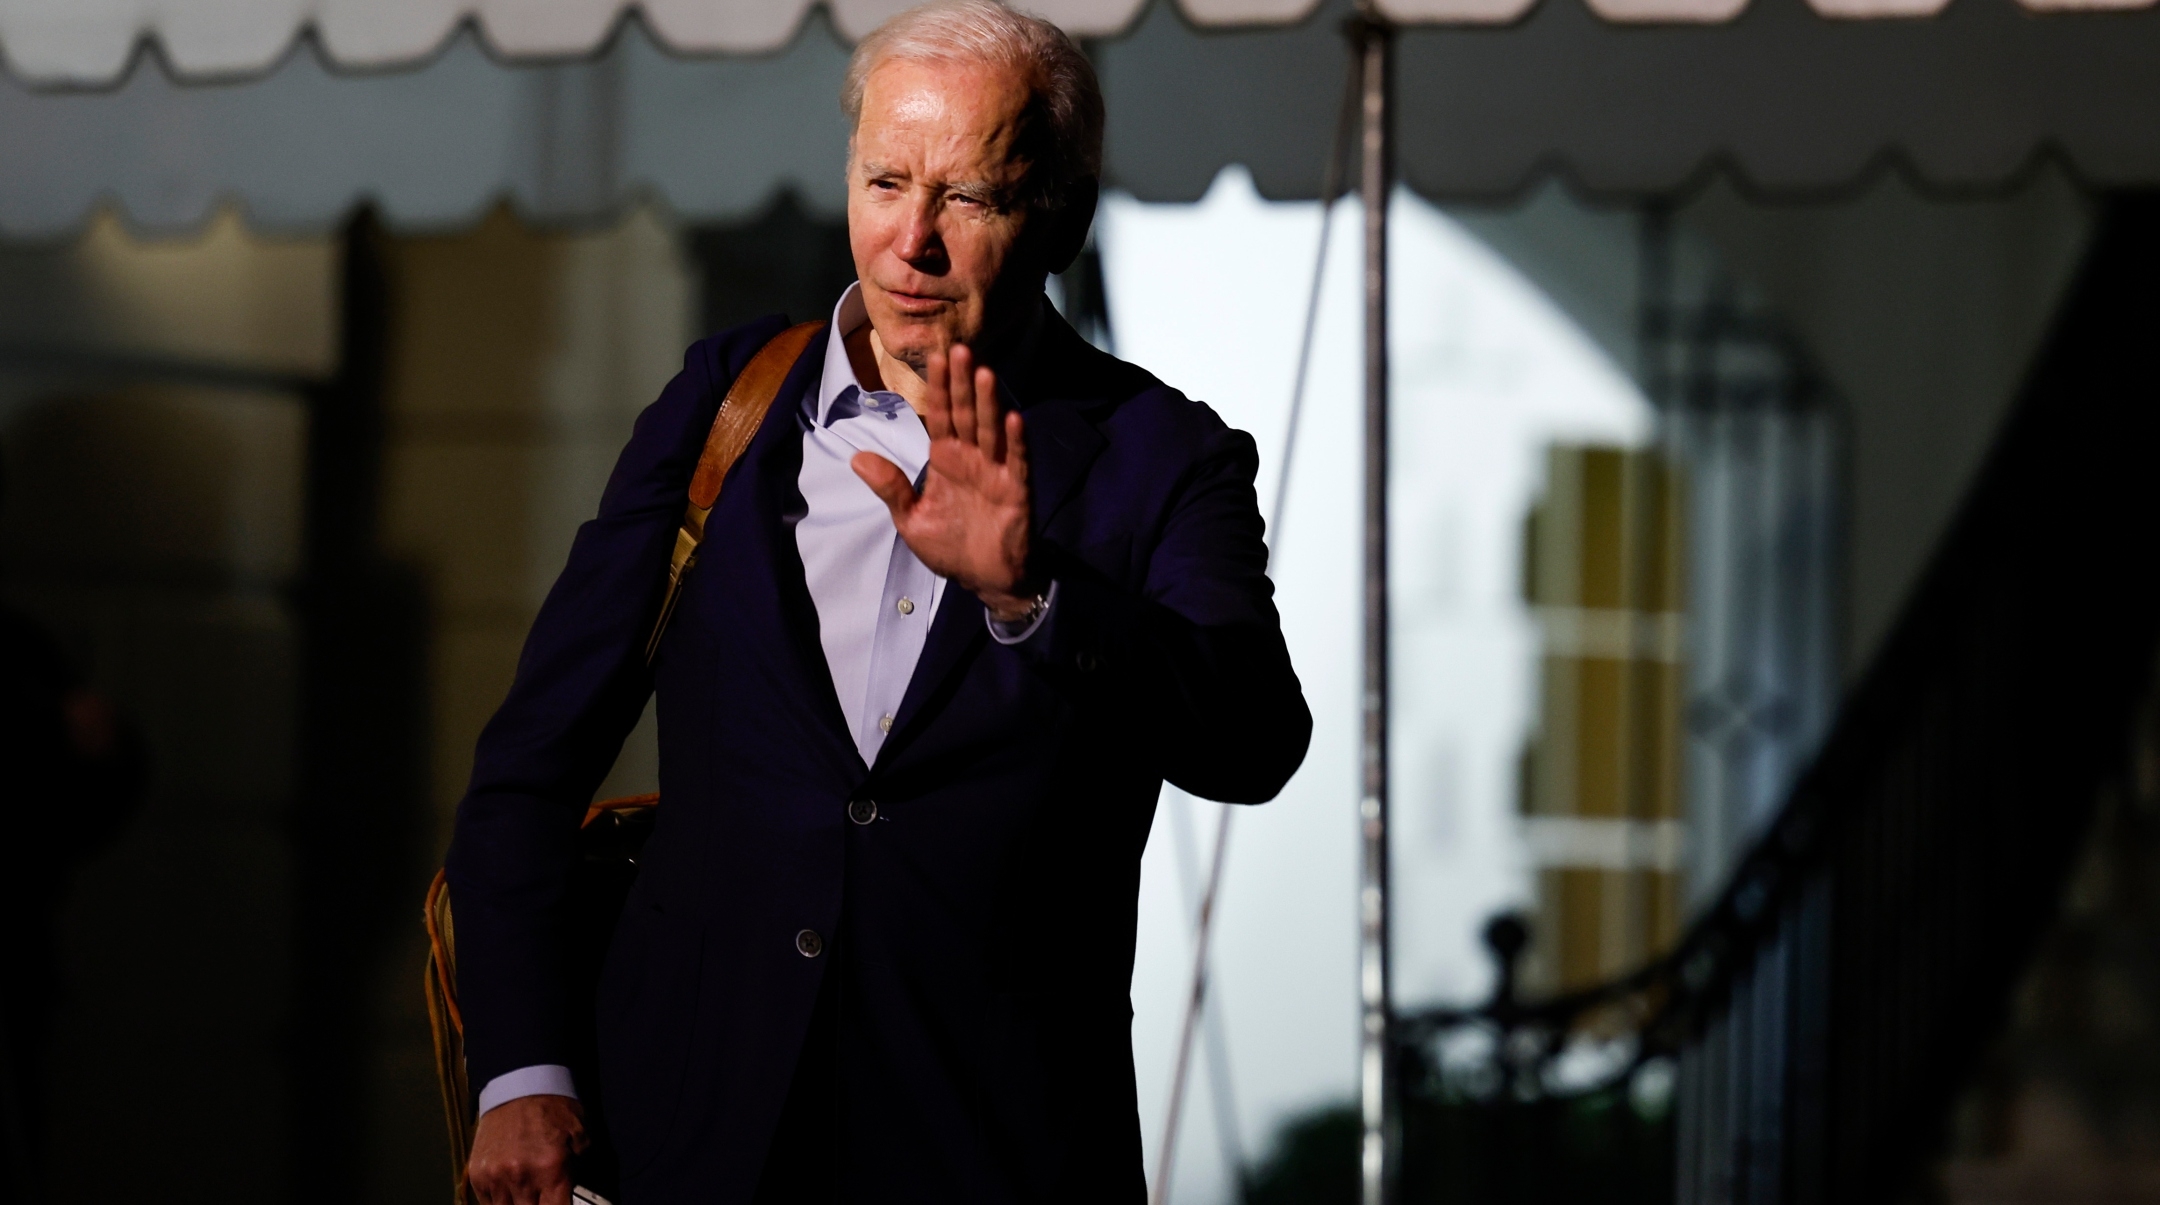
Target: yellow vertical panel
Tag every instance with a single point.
(1604, 526)
(1620, 928)
(1582, 915)
(1607, 536)
(1601, 737)
(1559, 724)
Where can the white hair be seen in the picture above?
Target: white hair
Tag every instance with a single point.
(1067, 106)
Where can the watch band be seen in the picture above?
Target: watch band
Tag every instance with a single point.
(1036, 606)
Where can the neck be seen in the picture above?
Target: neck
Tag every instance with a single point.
(875, 369)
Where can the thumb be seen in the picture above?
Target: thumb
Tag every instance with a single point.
(886, 481)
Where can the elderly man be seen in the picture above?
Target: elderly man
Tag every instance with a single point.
(971, 594)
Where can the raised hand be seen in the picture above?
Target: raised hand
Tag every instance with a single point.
(970, 521)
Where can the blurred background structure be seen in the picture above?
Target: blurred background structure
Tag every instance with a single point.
(1776, 737)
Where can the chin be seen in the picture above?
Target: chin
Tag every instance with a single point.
(913, 339)
(904, 338)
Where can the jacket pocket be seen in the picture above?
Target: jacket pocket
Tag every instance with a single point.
(647, 1013)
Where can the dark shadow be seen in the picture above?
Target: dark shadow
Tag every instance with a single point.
(76, 769)
(785, 261)
(2066, 1105)
(1961, 781)
(360, 819)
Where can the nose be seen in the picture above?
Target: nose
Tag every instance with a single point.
(918, 244)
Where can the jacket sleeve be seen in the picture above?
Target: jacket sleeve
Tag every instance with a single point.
(580, 687)
(1196, 656)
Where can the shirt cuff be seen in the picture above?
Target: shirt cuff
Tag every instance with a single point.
(546, 1079)
(1015, 631)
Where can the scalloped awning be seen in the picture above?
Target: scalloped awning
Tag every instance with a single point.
(1785, 98)
(91, 41)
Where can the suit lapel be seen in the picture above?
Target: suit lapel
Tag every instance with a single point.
(1062, 444)
(776, 455)
(1052, 392)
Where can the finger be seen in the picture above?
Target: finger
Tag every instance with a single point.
(886, 481)
(557, 1190)
(989, 432)
(937, 398)
(483, 1180)
(962, 385)
(556, 1177)
(542, 1182)
(1016, 461)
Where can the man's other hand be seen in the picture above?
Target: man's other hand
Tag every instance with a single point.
(970, 522)
(521, 1151)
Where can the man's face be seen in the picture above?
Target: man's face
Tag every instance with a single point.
(935, 215)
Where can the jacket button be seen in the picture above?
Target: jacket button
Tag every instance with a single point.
(809, 944)
(862, 811)
(1086, 660)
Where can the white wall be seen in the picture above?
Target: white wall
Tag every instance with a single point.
(1210, 297)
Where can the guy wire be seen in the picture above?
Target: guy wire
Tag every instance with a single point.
(1196, 997)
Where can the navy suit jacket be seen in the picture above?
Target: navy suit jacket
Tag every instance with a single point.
(982, 926)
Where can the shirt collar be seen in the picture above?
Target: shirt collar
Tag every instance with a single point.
(839, 372)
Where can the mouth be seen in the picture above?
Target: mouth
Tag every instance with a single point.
(917, 304)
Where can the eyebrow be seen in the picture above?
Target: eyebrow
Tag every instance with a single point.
(982, 188)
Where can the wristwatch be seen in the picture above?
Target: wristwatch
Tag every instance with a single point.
(1036, 606)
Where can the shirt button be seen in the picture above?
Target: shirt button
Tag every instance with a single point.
(862, 811)
(809, 944)
(884, 723)
(906, 605)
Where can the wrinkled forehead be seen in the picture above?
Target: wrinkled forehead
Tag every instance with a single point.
(950, 108)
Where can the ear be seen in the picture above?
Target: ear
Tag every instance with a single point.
(1069, 226)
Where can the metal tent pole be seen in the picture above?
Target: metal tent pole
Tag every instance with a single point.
(1375, 43)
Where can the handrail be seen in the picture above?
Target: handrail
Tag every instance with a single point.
(1932, 834)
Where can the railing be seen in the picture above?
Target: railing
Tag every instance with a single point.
(1910, 874)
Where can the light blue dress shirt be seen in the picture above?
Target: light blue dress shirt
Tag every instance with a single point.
(874, 599)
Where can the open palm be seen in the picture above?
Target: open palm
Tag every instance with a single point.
(969, 522)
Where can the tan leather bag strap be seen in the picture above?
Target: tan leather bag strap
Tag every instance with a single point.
(742, 411)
